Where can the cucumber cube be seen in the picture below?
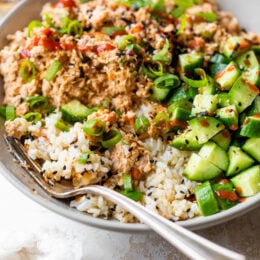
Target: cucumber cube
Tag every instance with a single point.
(206, 199)
(205, 127)
(255, 107)
(204, 104)
(247, 61)
(235, 45)
(251, 126)
(223, 139)
(247, 183)
(200, 169)
(229, 116)
(227, 77)
(251, 147)
(215, 154)
(223, 99)
(190, 61)
(242, 94)
(238, 161)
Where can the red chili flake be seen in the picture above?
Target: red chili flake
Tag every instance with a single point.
(222, 72)
(229, 195)
(204, 123)
(256, 115)
(224, 181)
(66, 3)
(226, 134)
(242, 199)
(233, 127)
(178, 123)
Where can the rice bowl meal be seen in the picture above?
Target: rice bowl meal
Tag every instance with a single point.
(158, 100)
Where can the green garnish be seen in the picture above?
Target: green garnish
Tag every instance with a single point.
(167, 81)
(10, 112)
(33, 117)
(75, 28)
(111, 138)
(183, 23)
(33, 24)
(62, 126)
(37, 102)
(162, 54)
(83, 158)
(53, 70)
(197, 83)
(94, 127)
(2, 111)
(152, 72)
(111, 30)
(127, 180)
(27, 70)
(141, 125)
(124, 41)
(209, 17)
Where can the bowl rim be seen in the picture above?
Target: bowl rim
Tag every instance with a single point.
(193, 224)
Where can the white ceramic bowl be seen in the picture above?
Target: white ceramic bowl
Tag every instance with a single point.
(28, 10)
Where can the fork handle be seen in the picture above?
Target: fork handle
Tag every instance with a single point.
(189, 243)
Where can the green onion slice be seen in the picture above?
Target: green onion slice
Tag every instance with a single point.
(141, 125)
(83, 158)
(177, 12)
(209, 17)
(161, 55)
(182, 24)
(124, 41)
(159, 94)
(112, 30)
(3, 111)
(162, 122)
(151, 71)
(127, 180)
(27, 70)
(48, 20)
(111, 138)
(33, 117)
(62, 126)
(94, 127)
(75, 28)
(184, 3)
(37, 102)
(168, 81)
(197, 83)
(33, 24)
(10, 112)
(134, 195)
(53, 70)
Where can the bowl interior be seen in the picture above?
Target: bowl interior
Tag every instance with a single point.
(16, 175)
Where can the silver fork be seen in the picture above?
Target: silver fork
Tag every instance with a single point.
(189, 243)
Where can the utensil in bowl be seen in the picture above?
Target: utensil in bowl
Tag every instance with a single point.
(189, 243)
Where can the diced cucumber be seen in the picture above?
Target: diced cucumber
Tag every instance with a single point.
(251, 126)
(235, 45)
(210, 89)
(255, 107)
(206, 199)
(223, 139)
(242, 94)
(247, 60)
(223, 99)
(219, 59)
(182, 103)
(186, 141)
(190, 61)
(225, 194)
(252, 76)
(214, 154)
(228, 116)
(180, 114)
(227, 77)
(247, 183)
(238, 161)
(204, 105)
(252, 147)
(216, 68)
(205, 128)
(200, 169)
(74, 111)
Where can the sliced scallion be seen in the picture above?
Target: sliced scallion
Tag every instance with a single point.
(94, 127)
(83, 158)
(111, 138)
(183, 24)
(2, 111)
(134, 195)
(53, 70)
(75, 28)
(62, 126)
(27, 70)
(162, 122)
(127, 181)
(33, 117)
(32, 25)
(141, 125)
(112, 30)
(124, 41)
(197, 83)
(37, 102)
(167, 80)
(162, 54)
(209, 17)
(177, 12)
(10, 112)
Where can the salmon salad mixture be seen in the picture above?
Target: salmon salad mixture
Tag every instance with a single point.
(157, 100)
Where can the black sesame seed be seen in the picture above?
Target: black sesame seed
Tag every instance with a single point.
(64, 167)
(149, 194)
(54, 172)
